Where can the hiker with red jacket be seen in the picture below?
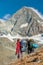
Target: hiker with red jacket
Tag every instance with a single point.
(18, 49)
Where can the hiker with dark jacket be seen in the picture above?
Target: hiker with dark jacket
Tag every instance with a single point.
(29, 46)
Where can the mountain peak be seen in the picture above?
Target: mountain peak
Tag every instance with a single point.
(26, 22)
(7, 16)
(34, 10)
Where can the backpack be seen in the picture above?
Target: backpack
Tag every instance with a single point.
(35, 45)
(23, 45)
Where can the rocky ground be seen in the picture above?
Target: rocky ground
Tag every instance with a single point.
(7, 51)
(35, 58)
(8, 57)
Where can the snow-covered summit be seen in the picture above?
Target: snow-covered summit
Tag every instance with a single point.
(26, 22)
(7, 16)
(36, 11)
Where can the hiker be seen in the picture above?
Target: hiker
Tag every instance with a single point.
(23, 45)
(29, 46)
(18, 49)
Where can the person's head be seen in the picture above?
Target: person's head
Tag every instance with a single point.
(18, 40)
(27, 40)
(31, 40)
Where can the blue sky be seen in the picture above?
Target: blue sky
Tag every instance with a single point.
(11, 6)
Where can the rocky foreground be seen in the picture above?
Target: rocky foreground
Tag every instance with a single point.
(35, 58)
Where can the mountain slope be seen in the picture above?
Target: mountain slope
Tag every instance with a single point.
(26, 22)
(33, 20)
(31, 59)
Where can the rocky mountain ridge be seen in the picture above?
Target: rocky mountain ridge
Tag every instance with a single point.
(22, 17)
